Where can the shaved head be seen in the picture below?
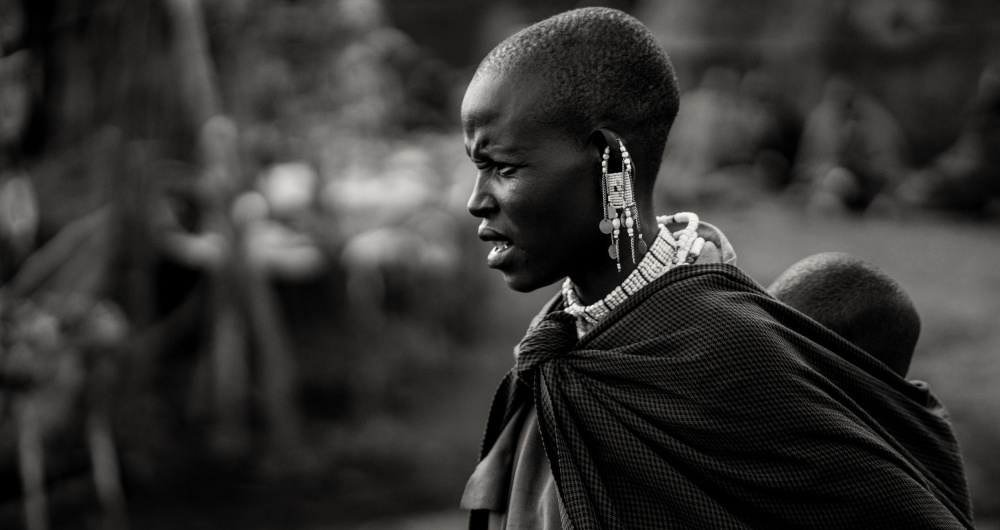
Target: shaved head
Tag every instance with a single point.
(600, 68)
(857, 301)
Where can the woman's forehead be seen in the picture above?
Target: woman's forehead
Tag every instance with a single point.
(498, 107)
(502, 96)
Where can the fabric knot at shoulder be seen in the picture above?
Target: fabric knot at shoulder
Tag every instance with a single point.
(553, 336)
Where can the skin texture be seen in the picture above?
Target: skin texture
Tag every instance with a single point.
(539, 188)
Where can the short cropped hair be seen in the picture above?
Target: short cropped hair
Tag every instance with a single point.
(604, 68)
(857, 301)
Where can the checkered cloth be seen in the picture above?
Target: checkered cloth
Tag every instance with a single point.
(702, 402)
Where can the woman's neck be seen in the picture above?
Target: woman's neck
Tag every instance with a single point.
(595, 284)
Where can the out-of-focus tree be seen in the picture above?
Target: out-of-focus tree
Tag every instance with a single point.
(852, 151)
(966, 176)
(126, 89)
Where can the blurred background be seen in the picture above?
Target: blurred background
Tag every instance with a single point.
(239, 287)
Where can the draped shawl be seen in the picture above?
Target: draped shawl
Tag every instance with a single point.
(702, 402)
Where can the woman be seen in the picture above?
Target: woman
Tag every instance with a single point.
(662, 388)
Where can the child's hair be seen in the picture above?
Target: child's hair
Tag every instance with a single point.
(857, 301)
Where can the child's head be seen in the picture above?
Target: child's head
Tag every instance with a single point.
(855, 300)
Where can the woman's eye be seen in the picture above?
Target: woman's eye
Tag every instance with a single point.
(501, 169)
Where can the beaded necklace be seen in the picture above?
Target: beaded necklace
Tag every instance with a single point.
(668, 250)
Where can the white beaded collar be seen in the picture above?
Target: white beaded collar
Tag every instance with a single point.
(667, 251)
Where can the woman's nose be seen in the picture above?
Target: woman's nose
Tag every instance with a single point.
(482, 202)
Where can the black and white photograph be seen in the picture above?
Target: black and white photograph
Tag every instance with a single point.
(499, 264)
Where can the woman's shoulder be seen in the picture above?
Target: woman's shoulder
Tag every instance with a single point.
(705, 289)
(709, 300)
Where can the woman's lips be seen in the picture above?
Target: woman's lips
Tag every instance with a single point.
(502, 245)
(499, 253)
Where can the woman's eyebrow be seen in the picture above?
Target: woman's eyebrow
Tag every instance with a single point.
(480, 152)
(497, 156)
(476, 152)
(489, 151)
(503, 151)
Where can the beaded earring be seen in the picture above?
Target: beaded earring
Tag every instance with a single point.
(617, 193)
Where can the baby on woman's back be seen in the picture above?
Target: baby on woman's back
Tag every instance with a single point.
(857, 301)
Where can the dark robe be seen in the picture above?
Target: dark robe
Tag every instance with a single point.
(702, 402)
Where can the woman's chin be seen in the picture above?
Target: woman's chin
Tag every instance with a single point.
(525, 284)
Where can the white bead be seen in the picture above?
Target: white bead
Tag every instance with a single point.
(697, 246)
(629, 222)
(665, 257)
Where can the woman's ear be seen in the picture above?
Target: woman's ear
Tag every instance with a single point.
(604, 137)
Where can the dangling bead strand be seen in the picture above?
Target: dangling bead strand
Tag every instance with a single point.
(605, 224)
(663, 255)
(627, 214)
(610, 223)
(631, 222)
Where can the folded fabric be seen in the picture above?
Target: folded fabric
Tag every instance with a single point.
(702, 402)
